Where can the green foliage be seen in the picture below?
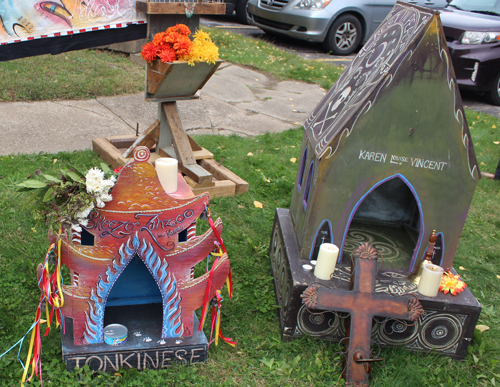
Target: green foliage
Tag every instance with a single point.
(71, 75)
(56, 200)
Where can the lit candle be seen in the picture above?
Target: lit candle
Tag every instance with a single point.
(327, 259)
(166, 168)
(430, 280)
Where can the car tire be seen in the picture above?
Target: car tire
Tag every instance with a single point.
(344, 36)
(241, 11)
(495, 91)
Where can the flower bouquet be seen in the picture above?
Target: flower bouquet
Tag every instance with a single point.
(66, 200)
(178, 66)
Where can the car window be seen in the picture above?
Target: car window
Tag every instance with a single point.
(492, 6)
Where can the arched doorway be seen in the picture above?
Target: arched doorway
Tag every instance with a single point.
(389, 217)
(135, 291)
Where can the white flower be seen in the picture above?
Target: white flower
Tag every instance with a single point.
(99, 202)
(94, 180)
(84, 213)
(84, 222)
(96, 183)
(106, 197)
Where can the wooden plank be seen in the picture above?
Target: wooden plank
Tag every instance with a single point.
(221, 188)
(203, 154)
(108, 152)
(222, 173)
(194, 184)
(159, 67)
(197, 173)
(179, 8)
(159, 72)
(180, 140)
(198, 155)
(152, 87)
(149, 138)
(154, 76)
(123, 142)
(194, 144)
(121, 137)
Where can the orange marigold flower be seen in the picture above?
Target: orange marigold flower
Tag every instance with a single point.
(164, 46)
(183, 46)
(451, 284)
(149, 52)
(180, 29)
(159, 39)
(167, 55)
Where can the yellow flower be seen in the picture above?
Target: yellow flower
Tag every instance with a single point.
(204, 50)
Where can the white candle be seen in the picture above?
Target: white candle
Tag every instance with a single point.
(430, 280)
(166, 168)
(326, 261)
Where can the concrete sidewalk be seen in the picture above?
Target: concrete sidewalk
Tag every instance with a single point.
(235, 100)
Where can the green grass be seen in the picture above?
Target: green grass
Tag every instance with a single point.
(93, 73)
(72, 75)
(251, 318)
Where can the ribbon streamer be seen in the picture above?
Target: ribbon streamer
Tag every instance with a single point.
(52, 296)
(221, 251)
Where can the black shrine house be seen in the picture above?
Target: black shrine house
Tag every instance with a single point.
(386, 158)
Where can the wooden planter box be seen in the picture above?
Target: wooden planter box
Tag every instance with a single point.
(176, 80)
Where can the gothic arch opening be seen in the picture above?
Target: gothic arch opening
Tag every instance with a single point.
(389, 217)
(134, 291)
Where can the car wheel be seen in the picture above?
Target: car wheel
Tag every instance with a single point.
(495, 91)
(344, 36)
(241, 11)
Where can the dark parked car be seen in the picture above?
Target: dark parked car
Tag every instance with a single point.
(239, 7)
(472, 30)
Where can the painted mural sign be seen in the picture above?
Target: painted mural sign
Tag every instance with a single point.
(23, 20)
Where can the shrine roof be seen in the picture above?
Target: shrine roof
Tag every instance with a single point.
(369, 69)
(139, 189)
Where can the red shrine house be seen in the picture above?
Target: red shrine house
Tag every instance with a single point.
(136, 251)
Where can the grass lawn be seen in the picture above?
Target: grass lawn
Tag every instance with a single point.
(92, 73)
(251, 317)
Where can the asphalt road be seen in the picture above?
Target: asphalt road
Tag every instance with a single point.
(314, 51)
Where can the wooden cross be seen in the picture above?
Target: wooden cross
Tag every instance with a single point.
(362, 304)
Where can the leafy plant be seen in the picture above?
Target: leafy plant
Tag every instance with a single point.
(68, 199)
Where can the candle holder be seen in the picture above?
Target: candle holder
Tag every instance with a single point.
(166, 168)
(327, 259)
(430, 280)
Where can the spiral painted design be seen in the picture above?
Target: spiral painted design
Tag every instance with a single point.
(385, 246)
(141, 153)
